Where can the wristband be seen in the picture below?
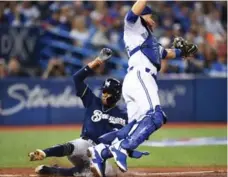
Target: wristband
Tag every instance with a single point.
(178, 53)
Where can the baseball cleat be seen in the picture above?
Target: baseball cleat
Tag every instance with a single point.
(120, 156)
(97, 165)
(37, 155)
(43, 170)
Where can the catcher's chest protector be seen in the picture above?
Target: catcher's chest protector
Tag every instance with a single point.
(150, 48)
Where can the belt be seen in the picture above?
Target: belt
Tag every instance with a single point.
(148, 70)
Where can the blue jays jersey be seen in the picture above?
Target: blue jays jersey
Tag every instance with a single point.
(142, 46)
(98, 120)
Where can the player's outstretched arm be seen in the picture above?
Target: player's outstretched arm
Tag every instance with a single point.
(171, 54)
(104, 55)
(182, 48)
(138, 7)
(81, 88)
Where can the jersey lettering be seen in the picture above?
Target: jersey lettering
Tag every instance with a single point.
(98, 116)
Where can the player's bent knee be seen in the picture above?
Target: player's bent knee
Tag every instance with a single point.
(159, 116)
(68, 148)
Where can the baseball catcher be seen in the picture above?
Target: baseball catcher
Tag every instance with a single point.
(140, 89)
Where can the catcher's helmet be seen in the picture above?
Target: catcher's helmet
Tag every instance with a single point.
(113, 87)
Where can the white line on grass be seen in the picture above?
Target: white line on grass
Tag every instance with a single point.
(169, 173)
(133, 173)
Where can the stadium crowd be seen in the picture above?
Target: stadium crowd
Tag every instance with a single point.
(89, 26)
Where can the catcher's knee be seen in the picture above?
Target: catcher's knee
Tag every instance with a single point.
(152, 121)
(159, 116)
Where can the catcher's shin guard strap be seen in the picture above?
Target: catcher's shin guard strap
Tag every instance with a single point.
(149, 124)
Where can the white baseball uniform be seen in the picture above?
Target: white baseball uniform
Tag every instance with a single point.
(140, 90)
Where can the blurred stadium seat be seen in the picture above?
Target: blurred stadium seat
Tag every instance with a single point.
(76, 31)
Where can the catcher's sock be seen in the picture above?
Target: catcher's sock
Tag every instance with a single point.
(59, 150)
(105, 153)
(64, 171)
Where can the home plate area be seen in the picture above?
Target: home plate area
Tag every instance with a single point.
(137, 172)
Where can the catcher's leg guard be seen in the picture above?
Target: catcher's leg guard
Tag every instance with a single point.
(149, 124)
(123, 132)
(108, 137)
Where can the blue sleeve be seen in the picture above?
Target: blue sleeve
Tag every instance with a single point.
(81, 89)
(163, 52)
(131, 17)
(178, 52)
(87, 97)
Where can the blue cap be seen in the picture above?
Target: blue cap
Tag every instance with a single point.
(147, 10)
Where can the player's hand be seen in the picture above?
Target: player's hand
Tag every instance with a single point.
(105, 54)
(187, 48)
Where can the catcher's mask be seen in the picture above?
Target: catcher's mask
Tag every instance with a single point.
(113, 87)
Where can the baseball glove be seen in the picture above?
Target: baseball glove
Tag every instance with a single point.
(186, 47)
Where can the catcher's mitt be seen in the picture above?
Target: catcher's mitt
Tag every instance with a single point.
(186, 48)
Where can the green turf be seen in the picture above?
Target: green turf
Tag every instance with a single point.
(188, 133)
(182, 156)
(14, 147)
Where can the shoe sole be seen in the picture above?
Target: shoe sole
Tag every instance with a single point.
(35, 156)
(122, 169)
(44, 170)
(93, 168)
(38, 169)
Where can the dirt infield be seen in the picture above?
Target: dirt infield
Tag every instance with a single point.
(138, 172)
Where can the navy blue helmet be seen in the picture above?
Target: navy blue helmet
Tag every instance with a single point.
(114, 87)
